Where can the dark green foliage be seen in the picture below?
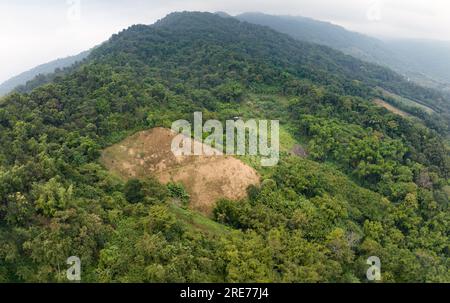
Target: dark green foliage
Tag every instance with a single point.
(134, 191)
(177, 191)
(148, 191)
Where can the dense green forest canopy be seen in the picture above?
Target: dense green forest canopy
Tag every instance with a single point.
(374, 183)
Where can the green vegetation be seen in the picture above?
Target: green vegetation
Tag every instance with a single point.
(424, 62)
(374, 184)
(41, 74)
(406, 101)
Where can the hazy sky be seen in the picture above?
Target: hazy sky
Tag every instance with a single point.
(34, 32)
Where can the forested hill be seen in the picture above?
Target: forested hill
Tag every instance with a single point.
(325, 33)
(371, 182)
(251, 43)
(39, 74)
(422, 61)
(244, 44)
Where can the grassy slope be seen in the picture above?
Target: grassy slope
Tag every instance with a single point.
(407, 101)
(256, 105)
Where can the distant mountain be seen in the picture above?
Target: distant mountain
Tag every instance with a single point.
(324, 33)
(431, 58)
(223, 14)
(42, 70)
(425, 62)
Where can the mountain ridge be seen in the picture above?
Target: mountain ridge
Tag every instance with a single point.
(42, 69)
(360, 46)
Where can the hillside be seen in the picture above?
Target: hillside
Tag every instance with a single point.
(325, 33)
(207, 179)
(425, 62)
(39, 72)
(373, 183)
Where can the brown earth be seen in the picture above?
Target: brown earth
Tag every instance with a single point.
(206, 178)
(391, 108)
(299, 151)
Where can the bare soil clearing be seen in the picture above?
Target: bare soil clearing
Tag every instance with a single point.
(206, 178)
(406, 101)
(391, 108)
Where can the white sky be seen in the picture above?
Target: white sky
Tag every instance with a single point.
(33, 32)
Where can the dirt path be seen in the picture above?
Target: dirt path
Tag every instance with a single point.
(391, 108)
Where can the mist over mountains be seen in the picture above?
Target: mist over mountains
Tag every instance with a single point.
(42, 70)
(426, 62)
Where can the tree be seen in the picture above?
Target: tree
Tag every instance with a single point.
(52, 197)
(133, 191)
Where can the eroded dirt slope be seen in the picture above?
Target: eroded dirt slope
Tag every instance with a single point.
(206, 178)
